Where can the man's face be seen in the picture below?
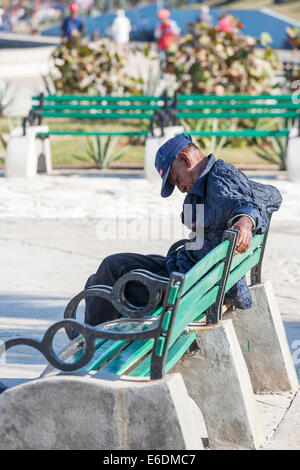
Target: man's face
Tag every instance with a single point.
(180, 174)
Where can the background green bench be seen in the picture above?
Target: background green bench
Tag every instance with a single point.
(83, 107)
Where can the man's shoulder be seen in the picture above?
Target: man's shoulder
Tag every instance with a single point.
(221, 168)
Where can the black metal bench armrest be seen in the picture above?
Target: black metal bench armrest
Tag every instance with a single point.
(155, 284)
(157, 330)
(177, 245)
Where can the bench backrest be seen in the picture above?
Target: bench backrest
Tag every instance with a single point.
(98, 107)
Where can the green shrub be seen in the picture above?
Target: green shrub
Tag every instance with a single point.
(207, 60)
(79, 68)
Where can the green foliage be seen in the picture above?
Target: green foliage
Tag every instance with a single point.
(272, 149)
(91, 69)
(207, 60)
(212, 144)
(101, 149)
(293, 34)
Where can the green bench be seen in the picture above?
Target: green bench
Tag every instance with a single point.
(237, 106)
(112, 380)
(84, 107)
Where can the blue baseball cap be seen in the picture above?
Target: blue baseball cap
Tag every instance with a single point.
(164, 158)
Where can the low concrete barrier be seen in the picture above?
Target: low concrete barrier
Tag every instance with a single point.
(73, 412)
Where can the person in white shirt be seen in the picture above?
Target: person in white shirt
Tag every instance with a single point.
(120, 31)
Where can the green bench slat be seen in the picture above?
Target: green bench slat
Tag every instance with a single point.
(88, 133)
(75, 357)
(105, 353)
(137, 98)
(178, 349)
(106, 349)
(244, 133)
(194, 294)
(137, 350)
(98, 115)
(242, 97)
(107, 107)
(243, 268)
(204, 265)
(174, 354)
(129, 356)
(237, 259)
(279, 105)
(241, 115)
(120, 364)
(194, 312)
(80, 353)
(134, 352)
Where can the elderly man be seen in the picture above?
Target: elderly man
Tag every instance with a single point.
(229, 199)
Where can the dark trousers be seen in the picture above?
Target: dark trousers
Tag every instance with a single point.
(112, 268)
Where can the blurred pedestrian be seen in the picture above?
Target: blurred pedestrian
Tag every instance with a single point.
(204, 16)
(14, 19)
(166, 34)
(34, 23)
(120, 31)
(73, 27)
(95, 36)
(225, 23)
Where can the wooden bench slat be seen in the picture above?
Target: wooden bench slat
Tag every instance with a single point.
(237, 115)
(243, 133)
(120, 364)
(201, 288)
(105, 353)
(129, 356)
(237, 259)
(97, 98)
(106, 107)
(195, 312)
(106, 350)
(178, 349)
(98, 115)
(88, 133)
(204, 265)
(243, 97)
(174, 354)
(280, 105)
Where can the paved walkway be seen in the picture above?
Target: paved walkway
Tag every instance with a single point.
(52, 239)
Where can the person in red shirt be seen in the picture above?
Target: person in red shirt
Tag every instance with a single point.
(166, 33)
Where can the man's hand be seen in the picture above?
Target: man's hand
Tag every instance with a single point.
(244, 225)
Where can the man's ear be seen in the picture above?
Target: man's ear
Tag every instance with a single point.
(185, 159)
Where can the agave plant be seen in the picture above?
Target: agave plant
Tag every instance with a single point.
(212, 144)
(273, 149)
(101, 149)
